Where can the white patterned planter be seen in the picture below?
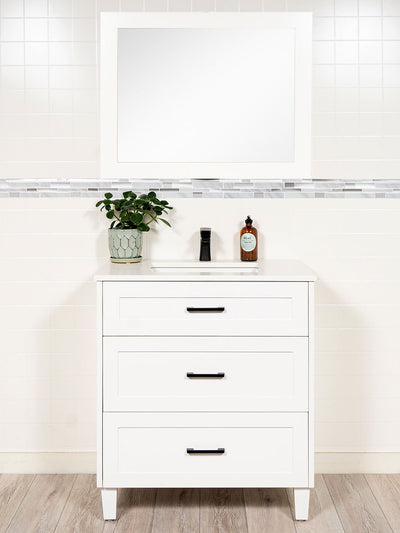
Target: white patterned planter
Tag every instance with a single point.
(125, 245)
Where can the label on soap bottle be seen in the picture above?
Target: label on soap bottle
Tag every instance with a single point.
(248, 242)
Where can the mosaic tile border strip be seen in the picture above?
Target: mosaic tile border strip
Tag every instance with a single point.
(204, 188)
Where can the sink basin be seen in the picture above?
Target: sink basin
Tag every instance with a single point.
(233, 267)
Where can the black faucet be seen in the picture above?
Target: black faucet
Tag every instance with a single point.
(205, 250)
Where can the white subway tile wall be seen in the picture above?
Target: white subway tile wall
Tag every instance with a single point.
(54, 246)
(48, 69)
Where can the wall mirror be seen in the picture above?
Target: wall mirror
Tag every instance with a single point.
(211, 95)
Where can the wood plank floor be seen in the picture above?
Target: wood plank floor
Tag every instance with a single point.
(71, 503)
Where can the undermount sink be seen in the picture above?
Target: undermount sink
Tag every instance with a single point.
(204, 266)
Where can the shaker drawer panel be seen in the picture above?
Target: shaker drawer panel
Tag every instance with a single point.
(205, 374)
(205, 450)
(205, 308)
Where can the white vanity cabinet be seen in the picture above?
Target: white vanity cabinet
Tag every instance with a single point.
(205, 380)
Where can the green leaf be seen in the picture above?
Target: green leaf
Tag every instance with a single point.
(136, 218)
(143, 227)
(133, 211)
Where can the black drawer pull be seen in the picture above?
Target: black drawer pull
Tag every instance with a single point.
(193, 451)
(205, 309)
(194, 375)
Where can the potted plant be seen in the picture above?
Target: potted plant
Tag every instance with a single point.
(131, 216)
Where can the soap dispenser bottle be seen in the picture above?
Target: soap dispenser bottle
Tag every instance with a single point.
(248, 241)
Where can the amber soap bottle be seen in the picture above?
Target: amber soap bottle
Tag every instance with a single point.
(248, 241)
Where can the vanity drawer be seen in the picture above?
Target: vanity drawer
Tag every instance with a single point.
(249, 450)
(205, 308)
(205, 374)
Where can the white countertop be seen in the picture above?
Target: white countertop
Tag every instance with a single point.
(154, 270)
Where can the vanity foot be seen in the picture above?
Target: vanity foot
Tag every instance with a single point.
(109, 500)
(301, 503)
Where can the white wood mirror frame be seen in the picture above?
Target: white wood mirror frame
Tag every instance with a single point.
(296, 166)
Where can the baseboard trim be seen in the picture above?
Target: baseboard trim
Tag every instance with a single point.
(357, 463)
(85, 463)
(48, 462)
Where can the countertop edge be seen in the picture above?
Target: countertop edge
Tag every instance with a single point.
(285, 270)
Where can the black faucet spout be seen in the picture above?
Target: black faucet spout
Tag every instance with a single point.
(205, 244)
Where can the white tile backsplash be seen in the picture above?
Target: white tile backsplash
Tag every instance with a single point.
(12, 8)
(346, 28)
(347, 124)
(391, 28)
(370, 52)
(346, 51)
(371, 124)
(323, 8)
(12, 53)
(323, 29)
(61, 53)
(86, 9)
(12, 29)
(391, 100)
(60, 8)
(346, 8)
(36, 53)
(49, 129)
(323, 75)
(60, 29)
(370, 75)
(36, 8)
(247, 5)
(324, 52)
(347, 99)
(391, 123)
(36, 77)
(346, 75)
(36, 29)
(391, 52)
(12, 77)
(61, 77)
(371, 100)
(369, 8)
(48, 358)
(84, 29)
(391, 75)
(370, 28)
(391, 7)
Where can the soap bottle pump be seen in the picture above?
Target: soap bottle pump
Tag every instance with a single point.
(248, 241)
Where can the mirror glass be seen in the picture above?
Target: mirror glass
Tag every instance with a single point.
(206, 95)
